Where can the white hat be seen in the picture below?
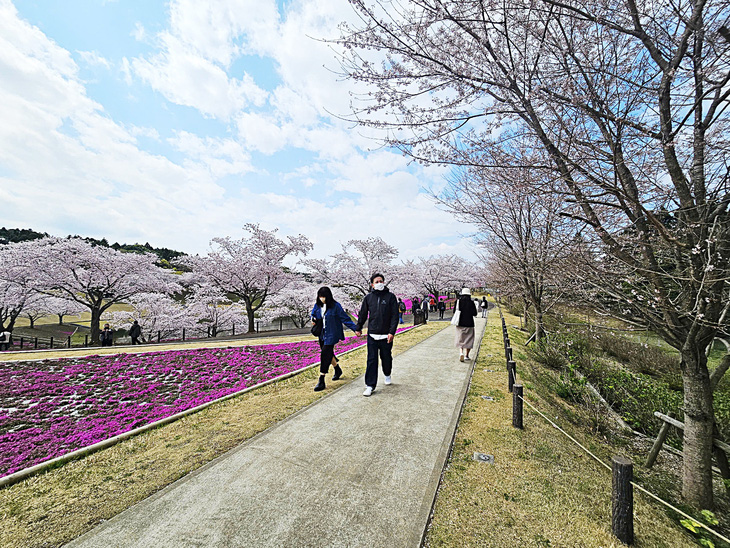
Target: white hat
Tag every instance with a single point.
(466, 291)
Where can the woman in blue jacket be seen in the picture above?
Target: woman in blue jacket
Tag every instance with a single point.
(332, 314)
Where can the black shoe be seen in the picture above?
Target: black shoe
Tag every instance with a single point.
(338, 373)
(320, 385)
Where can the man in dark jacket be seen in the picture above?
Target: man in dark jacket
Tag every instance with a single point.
(380, 309)
(135, 331)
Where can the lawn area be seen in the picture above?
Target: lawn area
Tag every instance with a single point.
(542, 489)
(59, 505)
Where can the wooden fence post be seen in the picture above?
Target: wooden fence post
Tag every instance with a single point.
(159, 336)
(35, 342)
(183, 335)
(622, 500)
(49, 346)
(663, 431)
(68, 341)
(517, 406)
(86, 340)
(512, 374)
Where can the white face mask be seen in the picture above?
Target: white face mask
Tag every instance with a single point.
(379, 286)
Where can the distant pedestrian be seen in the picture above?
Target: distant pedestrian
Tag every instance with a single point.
(380, 309)
(135, 332)
(415, 304)
(106, 336)
(484, 305)
(424, 307)
(432, 304)
(465, 327)
(401, 309)
(333, 316)
(6, 337)
(441, 307)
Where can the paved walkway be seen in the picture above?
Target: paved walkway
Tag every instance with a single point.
(347, 471)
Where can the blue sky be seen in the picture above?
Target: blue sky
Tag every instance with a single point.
(178, 122)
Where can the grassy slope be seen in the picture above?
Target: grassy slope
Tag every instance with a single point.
(542, 490)
(53, 508)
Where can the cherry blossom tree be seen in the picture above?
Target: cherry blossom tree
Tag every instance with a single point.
(438, 274)
(350, 270)
(295, 302)
(158, 314)
(628, 99)
(252, 268)
(522, 223)
(61, 307)
(13, 299)
(93, 276)
(209, 306)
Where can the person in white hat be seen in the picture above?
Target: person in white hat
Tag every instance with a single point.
(465, 327)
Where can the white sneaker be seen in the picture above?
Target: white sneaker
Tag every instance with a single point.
(387, 380)
(368, 390)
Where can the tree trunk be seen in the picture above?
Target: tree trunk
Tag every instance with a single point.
(32, 322)
(699, 419)
(251, 319)
(95, 319)
(60, 319)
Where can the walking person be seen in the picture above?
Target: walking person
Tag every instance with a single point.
(441, 307)
(401, 310)
(424, 307)
(6, 339)
(332, 316)
(380, 309)
(465, 326)
(484, 305)
(106, 336)
(135, 332)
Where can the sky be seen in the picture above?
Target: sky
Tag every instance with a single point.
(177, 122)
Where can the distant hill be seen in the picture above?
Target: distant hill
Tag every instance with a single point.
(12, 235)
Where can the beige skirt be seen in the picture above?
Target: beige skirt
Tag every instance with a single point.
(464, 337)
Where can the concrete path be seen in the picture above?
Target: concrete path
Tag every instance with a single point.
(347, 471)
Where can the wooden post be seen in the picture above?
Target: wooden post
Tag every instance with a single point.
(281, 324)
(233, 330)
(49, 346)
(159, 336)
(508, 353)
(209, 332)
(21, 342)
(86, 340)
(35, 343)
(622, 500)
(257, 327)
(517, 406)
(512, 374)
(663, 431)
(68, 342)
(183, 335)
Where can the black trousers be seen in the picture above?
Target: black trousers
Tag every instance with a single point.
(326, 355)
(441, 314)
(385, 350)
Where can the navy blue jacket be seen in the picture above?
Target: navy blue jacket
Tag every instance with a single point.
(382, 309)
(333, 332)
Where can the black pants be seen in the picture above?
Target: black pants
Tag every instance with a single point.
(441, 314)
(386, 358)
(135, 340)
(326, 355)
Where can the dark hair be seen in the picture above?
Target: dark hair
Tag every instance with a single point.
(376, 275)
(329, 300)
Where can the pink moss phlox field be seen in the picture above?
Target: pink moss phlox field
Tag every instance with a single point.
(52, 407)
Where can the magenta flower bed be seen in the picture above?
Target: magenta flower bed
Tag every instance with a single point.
(52, 407)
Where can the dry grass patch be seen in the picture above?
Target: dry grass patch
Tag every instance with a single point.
(542, 490)
(58, 506)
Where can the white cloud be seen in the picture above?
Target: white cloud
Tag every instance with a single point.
(93, 59)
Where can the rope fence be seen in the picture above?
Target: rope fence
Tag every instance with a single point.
(622, 469)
